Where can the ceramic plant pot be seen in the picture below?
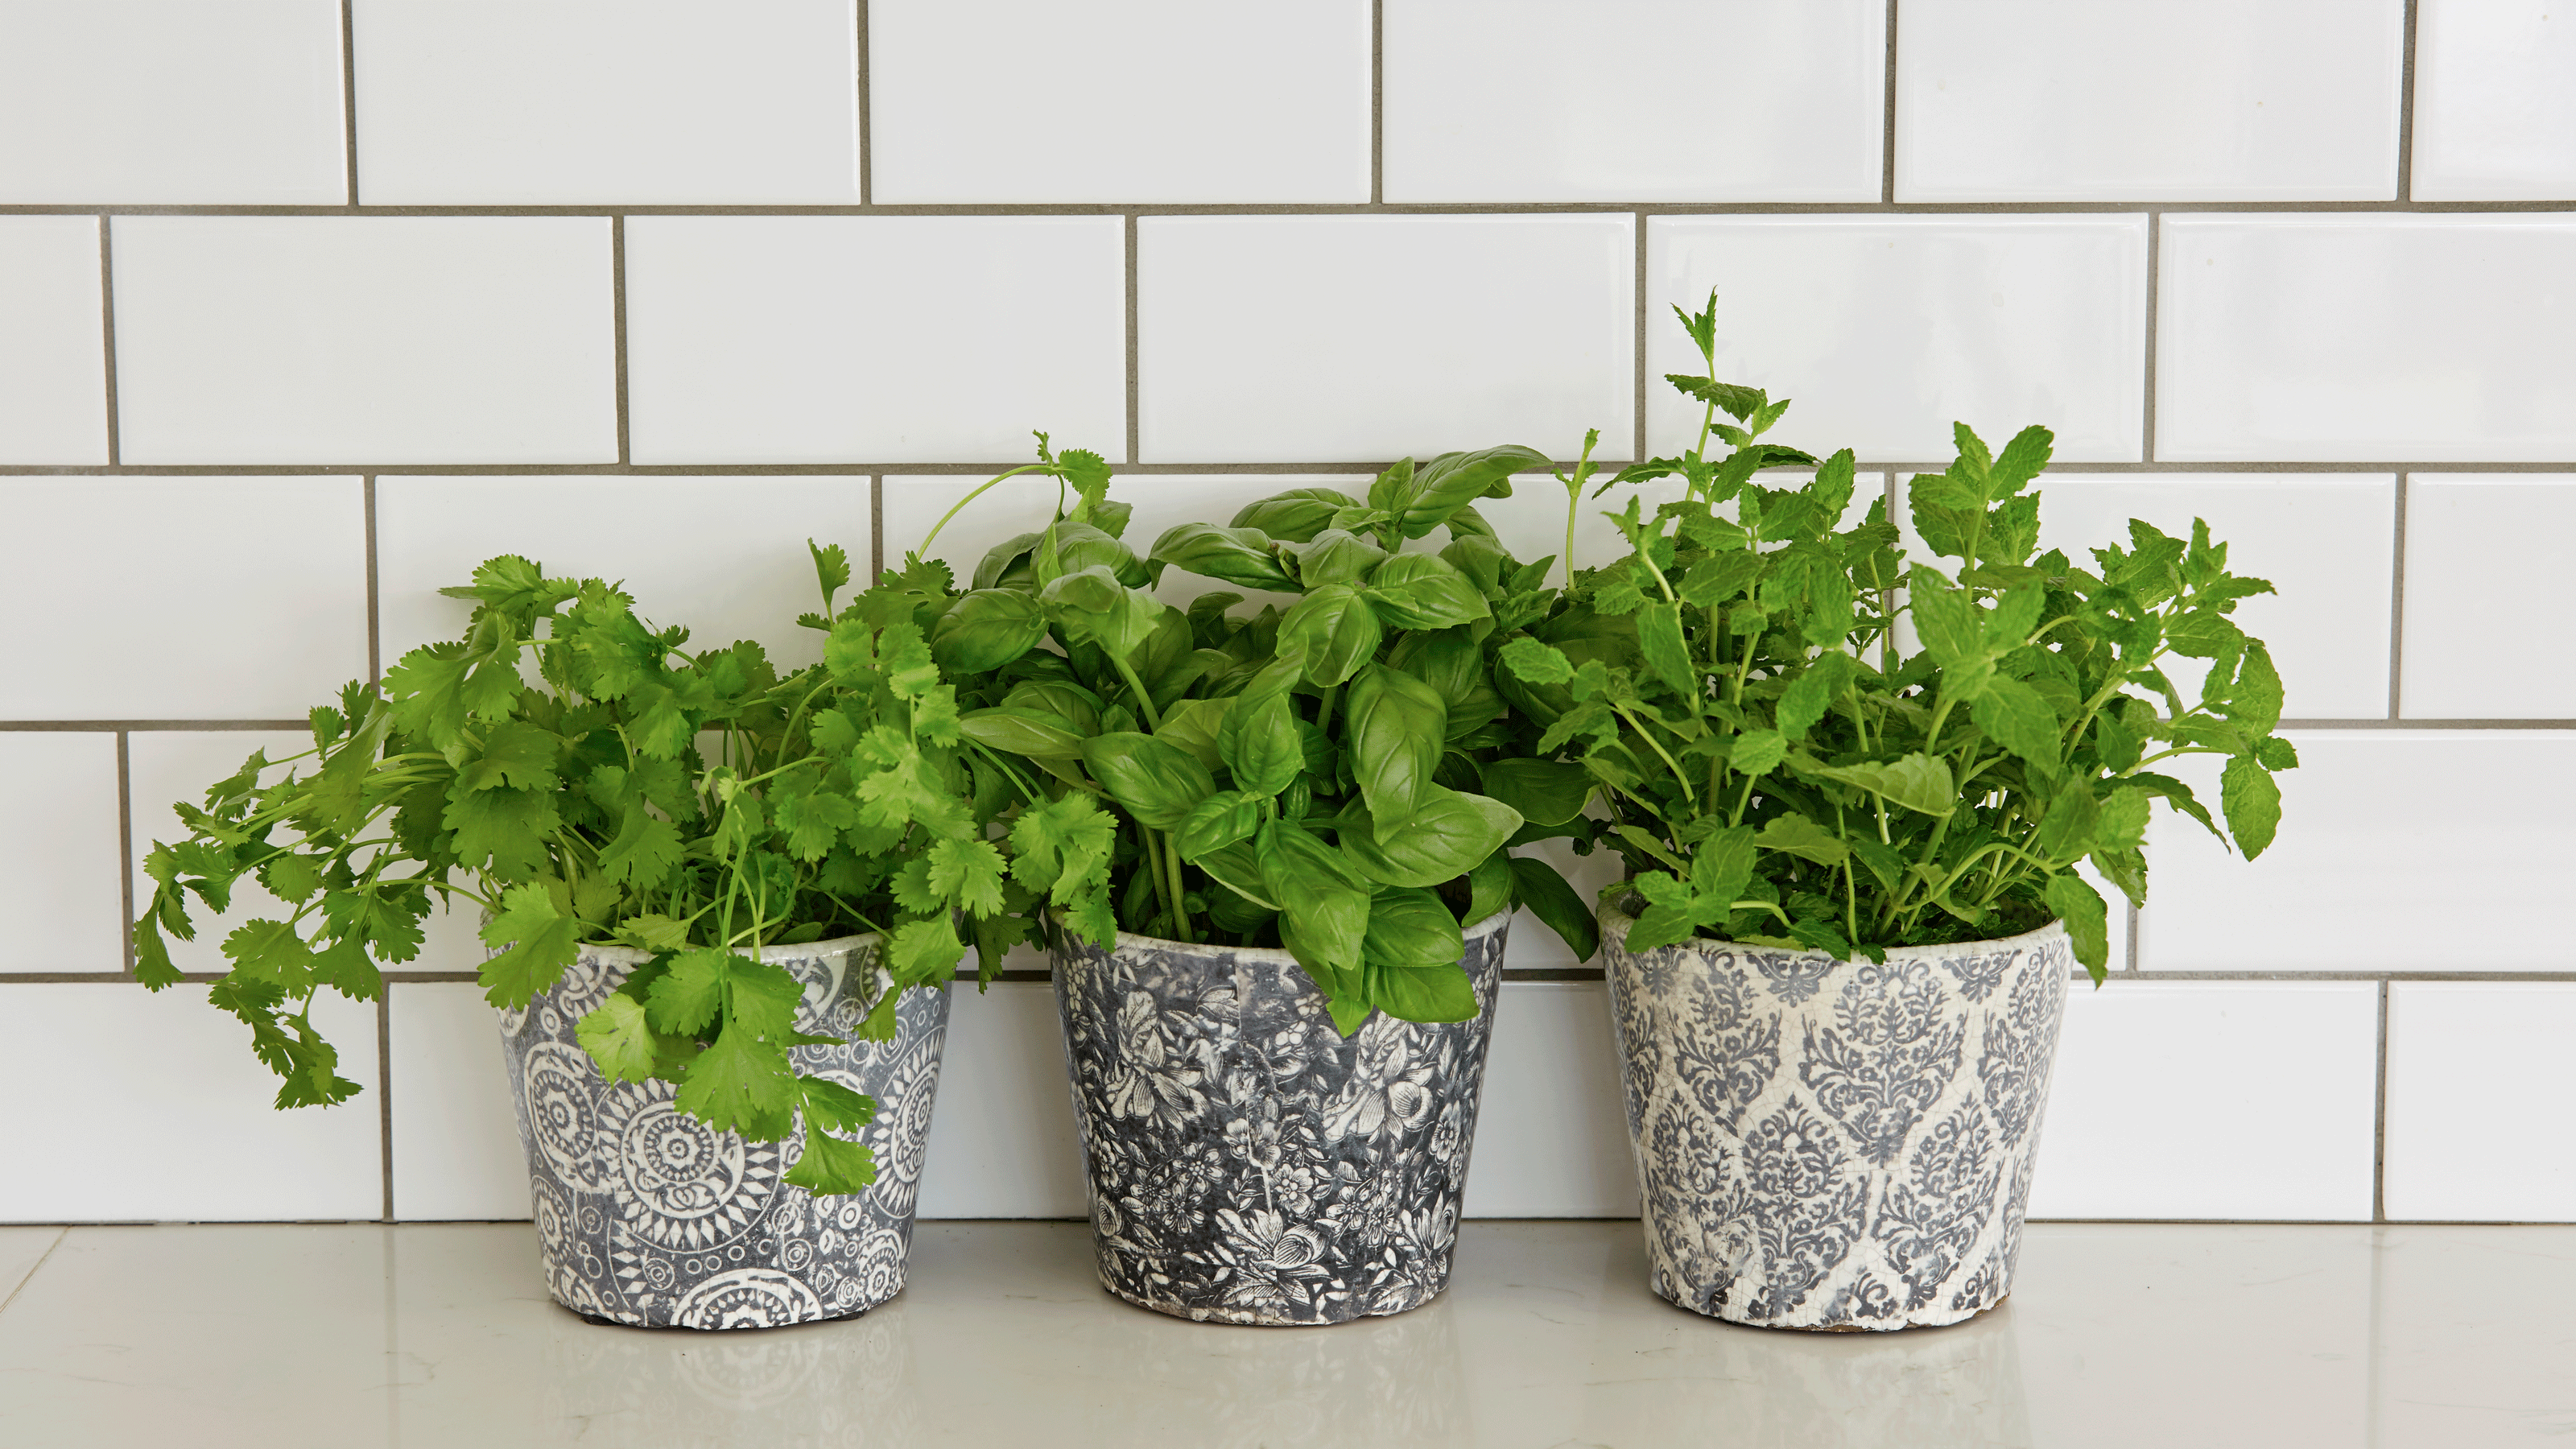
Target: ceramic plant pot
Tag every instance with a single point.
(1834, 1144)
(649, 1217)
(1248, 1164)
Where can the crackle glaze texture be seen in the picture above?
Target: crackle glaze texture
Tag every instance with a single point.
(1249, 1164)
(649, 1217)
(1836, 1144)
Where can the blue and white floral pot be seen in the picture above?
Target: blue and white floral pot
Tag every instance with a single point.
(1249, 1164)
(1831, 1144)
(647, 1216)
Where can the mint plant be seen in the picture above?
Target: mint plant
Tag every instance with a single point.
(1777, 767)
(693, 804)
(1339, 777)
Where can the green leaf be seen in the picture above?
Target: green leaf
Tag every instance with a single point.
(969, 874)
(2087, 919)
(1721, 867)
(1446, 835)
(1659, 636)
(291, 877)
(644, 851)
(1557, 904)
(1536, 662)
(1337, 556)
(2275, 753)
(1545, 792)
(987, 629)
(1795, 834)
(1917, 781)
(1323, 903)
(1237, 555)
(1333, 631)
(1945, 617)
(1408, 926)
(1424, 591)
(616, 1036)
(1453, 480)
(1296, 515)
(1092, 606)
(1261, 745)
(1489, 888)
(831, 569)
(1421, 992)
(2014, 716)
(1395, 728)
(1034, 733)
(542, 941)
(2124, 818)
(1813, 692)
(1156, 783)
(1757, 752)
(687, 997)
(742, 1082)
(1736, 402)
(2068, 831)
(1225, 818)
(835, 1106)
(2251, 801)
(2254, 702)
(830, 1167)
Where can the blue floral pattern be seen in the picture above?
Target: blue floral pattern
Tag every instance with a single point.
(647, 1216)
(1247, 1163)
(1836, 1144)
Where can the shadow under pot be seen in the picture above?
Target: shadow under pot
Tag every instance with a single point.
(649, 1217)
(1248, 1164)
(1836, 1144)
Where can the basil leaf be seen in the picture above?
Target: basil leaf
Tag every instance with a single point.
(1093, 607)
(1236, 555)
(987, 629)
(1408, 926)
(1034, 733)
(1296, 515)
(1337, 556)
(1262, 746)
(1323, 903)
(1333, 631)
(1395, 728)
(1421, 993)
(1225, 818)
(1545, 792)
(1423, 591)
(1557, 905)
(1454, 480)
(1157, 783)
(1448, 833)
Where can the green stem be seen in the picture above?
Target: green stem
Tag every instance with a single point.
(933, 535)
(1635, 724)
(1144, 697)
(1180, 894)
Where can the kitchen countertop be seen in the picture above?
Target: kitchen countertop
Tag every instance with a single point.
(2176, 1336)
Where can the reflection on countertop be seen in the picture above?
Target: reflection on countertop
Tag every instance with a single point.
(2118, 1334)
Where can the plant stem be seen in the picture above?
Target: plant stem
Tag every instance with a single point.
(933, 535)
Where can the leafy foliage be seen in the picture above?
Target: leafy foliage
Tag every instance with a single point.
(1336, 774)
(693, 804)
(1776, 769)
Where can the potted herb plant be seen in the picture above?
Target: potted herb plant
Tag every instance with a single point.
(1276, 1013)
(1851, 906)
(723, 905)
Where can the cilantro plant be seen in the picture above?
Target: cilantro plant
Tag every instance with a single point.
(1340, 777)
(1778, 768)
(693, 804)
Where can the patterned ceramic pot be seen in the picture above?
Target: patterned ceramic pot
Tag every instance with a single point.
(649, 1217)
(1836, 1144)
(1248, 1163)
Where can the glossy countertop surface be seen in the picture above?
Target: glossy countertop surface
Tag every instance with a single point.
(435, 1334)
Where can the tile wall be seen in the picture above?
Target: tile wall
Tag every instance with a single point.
(306, 306)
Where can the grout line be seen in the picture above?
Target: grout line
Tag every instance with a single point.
(2406, 108)
(1133, 388)
(1887, 118)
(2379, 1120)
(1637, 449)
(2546, 207)
(375, 655)
(876, 528)
(867, 125)
(385, 1091)
(32, 1272)
(617, 324)
(2071, 468)
(144, 726)
(125, 849)
(2397, 605)
(107, 337)
(1377, 102)
(349, 97)
(2134, 934)
(2147, 423)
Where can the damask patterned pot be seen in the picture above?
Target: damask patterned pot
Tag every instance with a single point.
(1836, 1144)
(649, 1217)
(1249, 1164)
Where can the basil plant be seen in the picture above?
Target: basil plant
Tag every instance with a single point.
(692, 803)
(1779, 765)
(1333, 771)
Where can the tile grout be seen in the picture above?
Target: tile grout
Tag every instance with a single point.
(349, 99)
(2070, 468)
(2379, 1118)
(2147, 377)
(375, 656)
(125, 848)
(617, 330)
(1637, 444)
(30, 1277)
(876, 528)
(2397, 604)
(385, 1091)
(1134, 343)
(1260, 209)
(2406, 106)
(867, 123)
(1377, 102)
(107, 338)
(1887, 118)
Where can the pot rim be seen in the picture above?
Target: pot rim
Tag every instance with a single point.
(1485, 927)
(1615, 921)
(613, 954)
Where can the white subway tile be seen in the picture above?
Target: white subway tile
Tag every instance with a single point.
(874, 339)
(2473, 1067)
(61, 887)
(571, 101)
(2366, 338)
(232, 598)
(364, 339)
(2485, 559)
(176, 102)
(187, 1132)
(1887, 329)
(2326, 541)
(2240, 1100)
(1118, 101)
(1525, 100)
(53, 349)
(2495, 101)
(1341, 338)
(1551, 1136)
(1002, 1143)
(2148, 100)
(725, 556)
(167, 767)
(456, 1150)
(2399, 850)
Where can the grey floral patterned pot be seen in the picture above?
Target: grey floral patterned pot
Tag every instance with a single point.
(1248, 1164)
(649, 1217)
(1836, 1144)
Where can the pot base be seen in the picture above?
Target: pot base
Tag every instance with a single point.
(1245, 1319)
(1656, 1282)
